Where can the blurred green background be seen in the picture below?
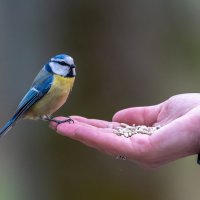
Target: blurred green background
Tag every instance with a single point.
(128, 53)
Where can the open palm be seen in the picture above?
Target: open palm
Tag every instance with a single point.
(179, 135)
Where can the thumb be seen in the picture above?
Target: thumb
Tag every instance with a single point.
(138, 115)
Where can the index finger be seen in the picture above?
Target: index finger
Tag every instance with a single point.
(102, 139)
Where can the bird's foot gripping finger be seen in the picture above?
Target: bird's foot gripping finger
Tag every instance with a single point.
(69, 120)
(50, 119)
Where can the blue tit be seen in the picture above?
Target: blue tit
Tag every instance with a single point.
(48, 92)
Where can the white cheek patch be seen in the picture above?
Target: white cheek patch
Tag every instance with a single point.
(58, 69)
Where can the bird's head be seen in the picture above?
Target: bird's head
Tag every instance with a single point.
(62, 65)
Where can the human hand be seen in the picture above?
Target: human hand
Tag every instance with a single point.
(179, 135)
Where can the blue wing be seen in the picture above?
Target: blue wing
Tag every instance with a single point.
(39, 88)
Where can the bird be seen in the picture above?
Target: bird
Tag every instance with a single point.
(49, 91)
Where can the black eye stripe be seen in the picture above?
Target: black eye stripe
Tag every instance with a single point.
(61, 63)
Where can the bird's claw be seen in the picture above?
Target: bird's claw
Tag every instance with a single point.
(69, 120)
(48, 118)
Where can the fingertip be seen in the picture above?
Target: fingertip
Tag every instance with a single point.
(54, 125)
(119, 116)
(67, 129)
(114, 118)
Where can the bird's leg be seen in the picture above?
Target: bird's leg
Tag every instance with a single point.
(50, 119)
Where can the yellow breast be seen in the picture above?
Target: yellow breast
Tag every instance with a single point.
(54, 99)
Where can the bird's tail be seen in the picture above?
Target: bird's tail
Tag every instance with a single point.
(8, 126)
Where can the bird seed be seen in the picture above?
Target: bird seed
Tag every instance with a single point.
(127, 130)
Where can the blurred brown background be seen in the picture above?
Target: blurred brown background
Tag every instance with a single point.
(128, 53)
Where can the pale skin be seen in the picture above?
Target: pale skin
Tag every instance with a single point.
(179, 135)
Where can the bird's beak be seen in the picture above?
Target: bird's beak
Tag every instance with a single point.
(73, 65)
(73, 70)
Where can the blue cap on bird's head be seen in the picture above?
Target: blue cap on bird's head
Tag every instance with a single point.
(60, 56)
(63, 59)
(62, 65)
